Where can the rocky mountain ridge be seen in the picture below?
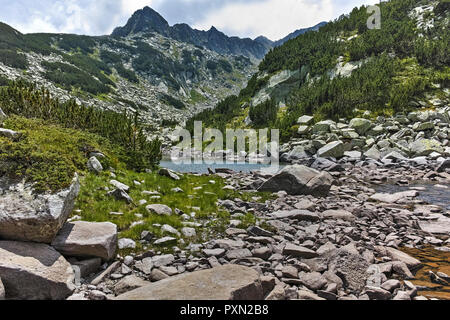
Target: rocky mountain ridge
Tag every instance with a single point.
(165, 80)
(148, 20)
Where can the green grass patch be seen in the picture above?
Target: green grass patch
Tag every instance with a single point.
(196, 97)
(94, 205)
(48, 155)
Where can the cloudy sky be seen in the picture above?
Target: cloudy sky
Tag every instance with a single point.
(245, 18)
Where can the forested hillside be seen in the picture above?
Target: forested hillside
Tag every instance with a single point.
(164, 79)
(345, 68)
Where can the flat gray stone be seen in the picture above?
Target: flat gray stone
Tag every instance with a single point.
(230, 282)
(34, 271)
(298, 251)
(87, 239)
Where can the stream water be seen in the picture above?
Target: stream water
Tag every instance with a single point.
(432, 193)
(432, 259)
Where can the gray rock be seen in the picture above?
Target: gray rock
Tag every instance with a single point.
(338, 215)
(257, 231)
(262, 253)
(94, 165)
(126, 243)
(424, 147)
(214, 252)
(299, 180)
(189, 232)
(300, 215)
(305, 204)
(88, 266)
(298, 251)
(308, 295)
(361, 125)
(333, 149)
(351, 268)
(162, 261)
(87, 239)
(373, 153)
(314, 280)
(168, 173)
(103, 275)
(391, 285)
(97, 295)
(230, 282)
(158, 275)
(327, 247)
(444, 166)
(34, 271)
(290, 272)
(159, 209)
(402, 295)
(305, 120)
(27, 217)
(278, 293)
(165, 241)
(169, 229)
(238, 254)
(129, 283)
(392, 198)
(375, 293)
(397, 255)
(9, 134)
(120, 195)
(323, 126)
(120, 185)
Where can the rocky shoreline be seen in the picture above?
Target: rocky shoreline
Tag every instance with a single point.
(345, 246)
(327, 234)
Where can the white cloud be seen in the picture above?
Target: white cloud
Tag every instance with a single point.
(245, 18)
(275, 18)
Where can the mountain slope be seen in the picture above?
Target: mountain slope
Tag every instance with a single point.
(165, 80)
(297, 33)
(148, 20)
(345, 68)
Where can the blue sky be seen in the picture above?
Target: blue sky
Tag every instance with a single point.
(244, 18)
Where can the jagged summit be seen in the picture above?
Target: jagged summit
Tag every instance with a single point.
(148, 19)
(145, 19)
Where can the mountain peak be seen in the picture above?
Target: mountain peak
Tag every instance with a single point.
(145, 19)
(148, 20)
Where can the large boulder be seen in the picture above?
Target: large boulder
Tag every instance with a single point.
(25, 216)
(424, 147)
(397, 255)
(87, 239)
(350, 267)
(299, 180)
(373, 153)
(333, 149)
(34, 271)
(229, 282)
(361, 125)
